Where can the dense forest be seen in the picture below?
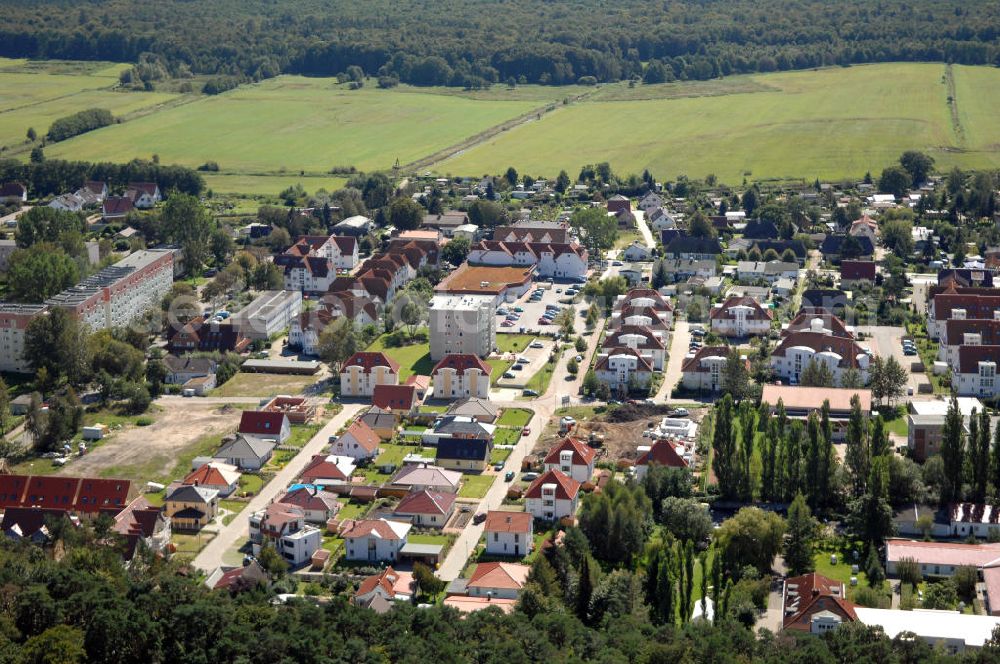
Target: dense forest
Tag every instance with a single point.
(479, 42)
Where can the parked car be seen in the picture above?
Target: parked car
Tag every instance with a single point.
(529, 393)
(536, 344)
(526, 431)
(517, 367)
(529, 477)
(479, 518)
(519, 309)
(678, 412)
(508, 374)
(498, 466)
(698, 333)
(509, 477)
(507, 323)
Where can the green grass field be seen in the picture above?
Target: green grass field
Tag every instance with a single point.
(299, 123)
(34, 94)
(831, 123)
(415, 359)
(475, 486)
(269, 185)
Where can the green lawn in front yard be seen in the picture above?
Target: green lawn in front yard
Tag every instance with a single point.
(415, 359)
(302, 434)
(513, 343)
(515, 417)
(475, 486)
(392, 453)
(443, 540)
(190, 544)
(353, 510)
(897, 426)
(506, 436)
(499, 455)
(842, 572)
(251, 484)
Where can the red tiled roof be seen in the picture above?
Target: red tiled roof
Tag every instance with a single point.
(652, 341)
(69, 493)
(207, 475)
(116, 205)
(642, 363)
(660, 302)
(395, 397)
(566, 487)
(368, 360)
(662, 453)
(975, 306)
(803, 321)
(346, 243)
(854, 270)
(390, 581)
(368, 527)
(506, 576)
(508, 522)
(988, 328)
(583, 455)
(693, 364)
(364, 435)
(847, 349)
(806, 595)
(969, 357)
(461, 362)
(311, 499)
(321, 468)
(261, 423)
(759, 312)
(426, 502)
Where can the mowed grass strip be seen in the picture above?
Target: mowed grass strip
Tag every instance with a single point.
(268, 185)
(831, 123)
(299, 124)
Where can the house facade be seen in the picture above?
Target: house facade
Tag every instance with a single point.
(703, 370)
(461, 375)
(363, 371)
(375, 540)
(840, 354)
(740, 317)
(284, 527)
(553, 495)
(572, 457)
(508, 533)
(620, 368)
(358, 442)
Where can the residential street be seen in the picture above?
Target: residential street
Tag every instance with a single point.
(236, 533)
(647, 235)
(455, 561)
(680, 340)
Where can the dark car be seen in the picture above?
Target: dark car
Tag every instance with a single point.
(479, 518)
(509, 477)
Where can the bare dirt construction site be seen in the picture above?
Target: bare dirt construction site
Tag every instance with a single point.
(181, 431)
(621, 428)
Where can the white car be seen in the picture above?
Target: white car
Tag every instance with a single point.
(536, 344)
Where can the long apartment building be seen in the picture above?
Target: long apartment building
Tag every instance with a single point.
(114, 297)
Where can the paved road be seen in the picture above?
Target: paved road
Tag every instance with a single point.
(886, 340)
(647, 235)
(451, 567)
(921, 285)
(238, 529)
(680, 342)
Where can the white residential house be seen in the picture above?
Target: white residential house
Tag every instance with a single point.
(358, 442)
(651, 201)
(649, 343)
(620, 368)
(508, 533)
(740, 317)
(977, 371)
(284, 527)
(364, 370)
(552, 496)
(840, 354)
(572, 457)
(637, 251)
(461, 375)
(375, 540)
(661, 220)
(703, 370)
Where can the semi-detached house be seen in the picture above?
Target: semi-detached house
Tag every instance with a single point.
(790, 358)
(365, 370)
(740, 316)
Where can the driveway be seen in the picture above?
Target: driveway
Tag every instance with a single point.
(887, 341)
(921, 286)
(680, 341)
(238, 530)
(647, 235)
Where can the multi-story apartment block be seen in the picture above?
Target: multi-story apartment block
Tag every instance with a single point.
(462, 324)
(14, 319)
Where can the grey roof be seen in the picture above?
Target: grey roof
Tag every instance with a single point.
(376, 418)
(452, 424)
(189, 493)
(244, 447)
(189, 364)
(411, 549)
(484, 409)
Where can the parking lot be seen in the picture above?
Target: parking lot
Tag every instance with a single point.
(533, 309)
(536, 360)
(886, 340)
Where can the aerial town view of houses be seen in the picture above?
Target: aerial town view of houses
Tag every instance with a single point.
(404, 337)
(423, 407)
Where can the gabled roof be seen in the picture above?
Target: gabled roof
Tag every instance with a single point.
(833, 244)
(188, 493)
(662, 453)
(505, 576)
(693, 363)
(660, 303)
(426, 502)
(117, 205)
(482, 409)
(583, 455)
(213, 474)
(262, 423)
(377, 418)
(809, 594)
(243, 447)
(189, 364)
(461, 362)
(854, 270)
(803, 322)
(310, 498)
(465, 449)
(566, 487)
(955, 554)
(427, 475)
(390, 581)
(987, 328)
(603, 363)
(847, 349)
(395, 397)
(363, 435)
(76, 494)
(758, 312)
(368, 360)
(694, 245)
(650, 340)
(378, 528)
(324, 467)
(969, 357)
(508, 522)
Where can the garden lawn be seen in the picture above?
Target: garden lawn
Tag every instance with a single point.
(251, 484)
(515, 417)
(475, 486)
(394, 454)
(415, 359)
(513, 343)
(262, 385)
(500, 367)
(540, 381)
(499, 455)
(506, 436)
(353, 511)
(302, 434)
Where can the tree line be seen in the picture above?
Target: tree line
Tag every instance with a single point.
(456, 43)
(79, 123)
(51, 177)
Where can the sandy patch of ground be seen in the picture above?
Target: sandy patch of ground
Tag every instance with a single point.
(181, 429)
